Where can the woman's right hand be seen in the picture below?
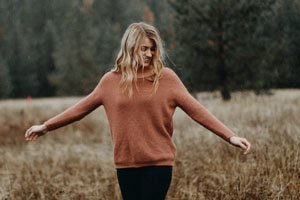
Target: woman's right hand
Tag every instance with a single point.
(35, 131)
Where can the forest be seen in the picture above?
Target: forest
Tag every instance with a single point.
(48, 47)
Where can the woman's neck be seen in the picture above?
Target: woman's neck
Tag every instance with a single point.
(146, 72)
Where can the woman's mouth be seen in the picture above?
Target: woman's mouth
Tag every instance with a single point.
(147, 60)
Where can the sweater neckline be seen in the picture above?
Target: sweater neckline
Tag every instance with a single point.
(145, 75)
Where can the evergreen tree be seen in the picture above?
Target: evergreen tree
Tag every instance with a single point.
(5, 85)
(87, 43)
(221, 45)
(284, 30)
(23, 47)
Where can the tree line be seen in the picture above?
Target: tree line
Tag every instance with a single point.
(59, 48)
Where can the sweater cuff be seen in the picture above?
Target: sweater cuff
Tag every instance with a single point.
(228, 138)
(47, 126)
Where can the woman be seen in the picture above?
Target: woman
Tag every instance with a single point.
(139, 97)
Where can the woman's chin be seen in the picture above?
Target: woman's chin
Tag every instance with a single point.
(146, 64)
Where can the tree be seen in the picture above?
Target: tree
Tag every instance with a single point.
(49, 47)
(25, 47)
(85, 50)
(285, 47)
(5, 85)
(221, 43)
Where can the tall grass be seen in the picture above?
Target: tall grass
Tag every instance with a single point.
(76, 162)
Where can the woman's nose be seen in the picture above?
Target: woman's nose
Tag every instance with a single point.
(148, 53)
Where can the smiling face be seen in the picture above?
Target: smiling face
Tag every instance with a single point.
(147, 50)
(141, 53)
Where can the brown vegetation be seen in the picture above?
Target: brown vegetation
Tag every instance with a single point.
(75, 162)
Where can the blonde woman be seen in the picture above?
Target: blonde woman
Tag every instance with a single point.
(140, 96)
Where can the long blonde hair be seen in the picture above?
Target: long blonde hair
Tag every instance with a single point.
(128, 58)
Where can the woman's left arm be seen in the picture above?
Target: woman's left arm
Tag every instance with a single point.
(200, 114)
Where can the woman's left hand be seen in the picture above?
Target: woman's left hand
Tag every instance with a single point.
(240, 142)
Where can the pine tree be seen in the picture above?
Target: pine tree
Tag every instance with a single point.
(220, 43)
(5, 85)
(86, 43)
(284, 29)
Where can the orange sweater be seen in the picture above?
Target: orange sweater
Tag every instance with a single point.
(141, 127)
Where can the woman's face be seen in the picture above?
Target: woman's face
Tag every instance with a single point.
(147, 50)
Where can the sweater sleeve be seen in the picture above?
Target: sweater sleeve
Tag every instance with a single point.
(77, 111)
(197, 111)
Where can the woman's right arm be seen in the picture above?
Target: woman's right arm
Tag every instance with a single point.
(72, 114)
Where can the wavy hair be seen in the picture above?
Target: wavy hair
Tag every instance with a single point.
(127, 61)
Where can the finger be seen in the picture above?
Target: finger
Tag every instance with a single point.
(27, 138)
(28, 131)
(245, 142)
(35, 137)
(242, 145)
(31, 132)
(248, 145)
(246, 151)
(31, 136)
(27, 135)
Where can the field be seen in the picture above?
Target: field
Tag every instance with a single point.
(76, 162)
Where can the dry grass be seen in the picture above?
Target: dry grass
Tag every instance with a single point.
(75, 162)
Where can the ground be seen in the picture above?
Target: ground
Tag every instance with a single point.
(76, 162)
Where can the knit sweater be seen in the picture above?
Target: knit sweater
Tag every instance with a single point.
(141, 127)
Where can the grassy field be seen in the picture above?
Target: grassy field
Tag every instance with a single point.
(76, 162)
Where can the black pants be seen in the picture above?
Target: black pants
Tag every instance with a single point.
(145, 182)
